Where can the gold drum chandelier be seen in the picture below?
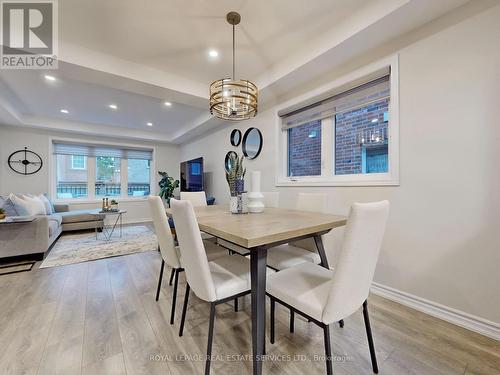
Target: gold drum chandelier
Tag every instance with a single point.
(232, 99)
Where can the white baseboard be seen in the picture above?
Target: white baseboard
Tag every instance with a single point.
(473, 323)
(137, 221)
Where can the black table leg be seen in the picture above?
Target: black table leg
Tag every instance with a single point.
(258, 257)
(321, 251)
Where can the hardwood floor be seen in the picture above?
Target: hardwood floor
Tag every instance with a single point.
(101, 317)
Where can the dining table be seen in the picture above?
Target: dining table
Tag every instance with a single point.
(259, 232)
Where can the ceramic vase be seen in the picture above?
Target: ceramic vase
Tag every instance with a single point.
(255, 197)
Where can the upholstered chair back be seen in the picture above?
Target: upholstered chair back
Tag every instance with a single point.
(162, 229)
(193, 254)
(197, 198)
(353, 274)
(271, 199)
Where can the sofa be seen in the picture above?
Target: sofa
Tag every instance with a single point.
(35, 238)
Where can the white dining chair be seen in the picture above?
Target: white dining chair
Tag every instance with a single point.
(298, 252)
(218, 281)
(197, 198)
(324, 296)
(170, 253)
(271, 199)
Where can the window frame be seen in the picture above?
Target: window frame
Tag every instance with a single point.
(328, 176)
(91, 174)
(78, 168)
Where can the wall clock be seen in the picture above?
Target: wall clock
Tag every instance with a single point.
(25, 162)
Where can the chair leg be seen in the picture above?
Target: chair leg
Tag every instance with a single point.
(174, 297)
(210, 337)
(328, 350)
(184, 308)
(273, 306)
(370, 337)
(292, 321)
(341, 323)
(171, 277)
(236, 304)
(159, 280)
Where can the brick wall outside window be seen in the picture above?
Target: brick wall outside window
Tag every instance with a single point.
(348, 126)
(304, 150)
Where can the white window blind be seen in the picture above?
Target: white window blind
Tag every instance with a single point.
(68, 148)
(363, 94)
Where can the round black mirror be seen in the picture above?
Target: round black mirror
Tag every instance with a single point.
(227, 161)
(235, 137)
(252, 143)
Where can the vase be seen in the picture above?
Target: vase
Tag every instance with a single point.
(255, 197)
(239, 186)
(233, 204)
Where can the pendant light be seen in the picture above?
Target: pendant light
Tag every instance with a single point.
(232, 99)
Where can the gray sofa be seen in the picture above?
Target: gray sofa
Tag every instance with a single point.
(36, 237)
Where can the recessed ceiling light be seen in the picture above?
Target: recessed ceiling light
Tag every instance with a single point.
(149, 124)
(213, 53)
(64, 111)
(50, 78)
(375, 120)
(168, 104)
(113, 106)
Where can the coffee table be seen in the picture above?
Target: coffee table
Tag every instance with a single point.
(108, 230)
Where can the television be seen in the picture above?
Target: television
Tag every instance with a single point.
(192, 175)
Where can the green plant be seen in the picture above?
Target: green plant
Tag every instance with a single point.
(167, 186)
(2, 211)
(235, 172)
(113, 201)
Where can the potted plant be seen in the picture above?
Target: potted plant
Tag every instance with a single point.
(235, 175)
(2, 214)
(167, 186)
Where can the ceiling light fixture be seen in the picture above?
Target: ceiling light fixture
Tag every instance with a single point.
(149, 124)
(168, 104)
(113, 106)
(213, 53)
(50, 78)
(64, 111)
(232, 99)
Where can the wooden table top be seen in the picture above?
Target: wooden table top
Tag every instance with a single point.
(271, 226)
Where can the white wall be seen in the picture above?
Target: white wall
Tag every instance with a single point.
(16, 138)
(442, 237)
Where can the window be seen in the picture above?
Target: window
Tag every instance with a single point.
(96, 171)
(304, 150)
(78, 162)
(348, 136)
(70, 182)
(107, 180)
(139, 177)
(361, 143)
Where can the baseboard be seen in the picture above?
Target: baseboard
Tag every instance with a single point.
(137, 221)
(457, 317)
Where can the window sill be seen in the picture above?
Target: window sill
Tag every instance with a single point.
(98, 200)
(311, 181)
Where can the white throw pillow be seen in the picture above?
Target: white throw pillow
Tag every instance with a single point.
(46, 203)
(22, 206)
(37, 206)
(27, 206)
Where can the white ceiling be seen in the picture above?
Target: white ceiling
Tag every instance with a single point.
(89, 102)
(139, 54)
(174, 36)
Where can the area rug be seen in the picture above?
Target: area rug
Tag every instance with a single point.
(83, 247)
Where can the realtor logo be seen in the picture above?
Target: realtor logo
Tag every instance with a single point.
(29, 34)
